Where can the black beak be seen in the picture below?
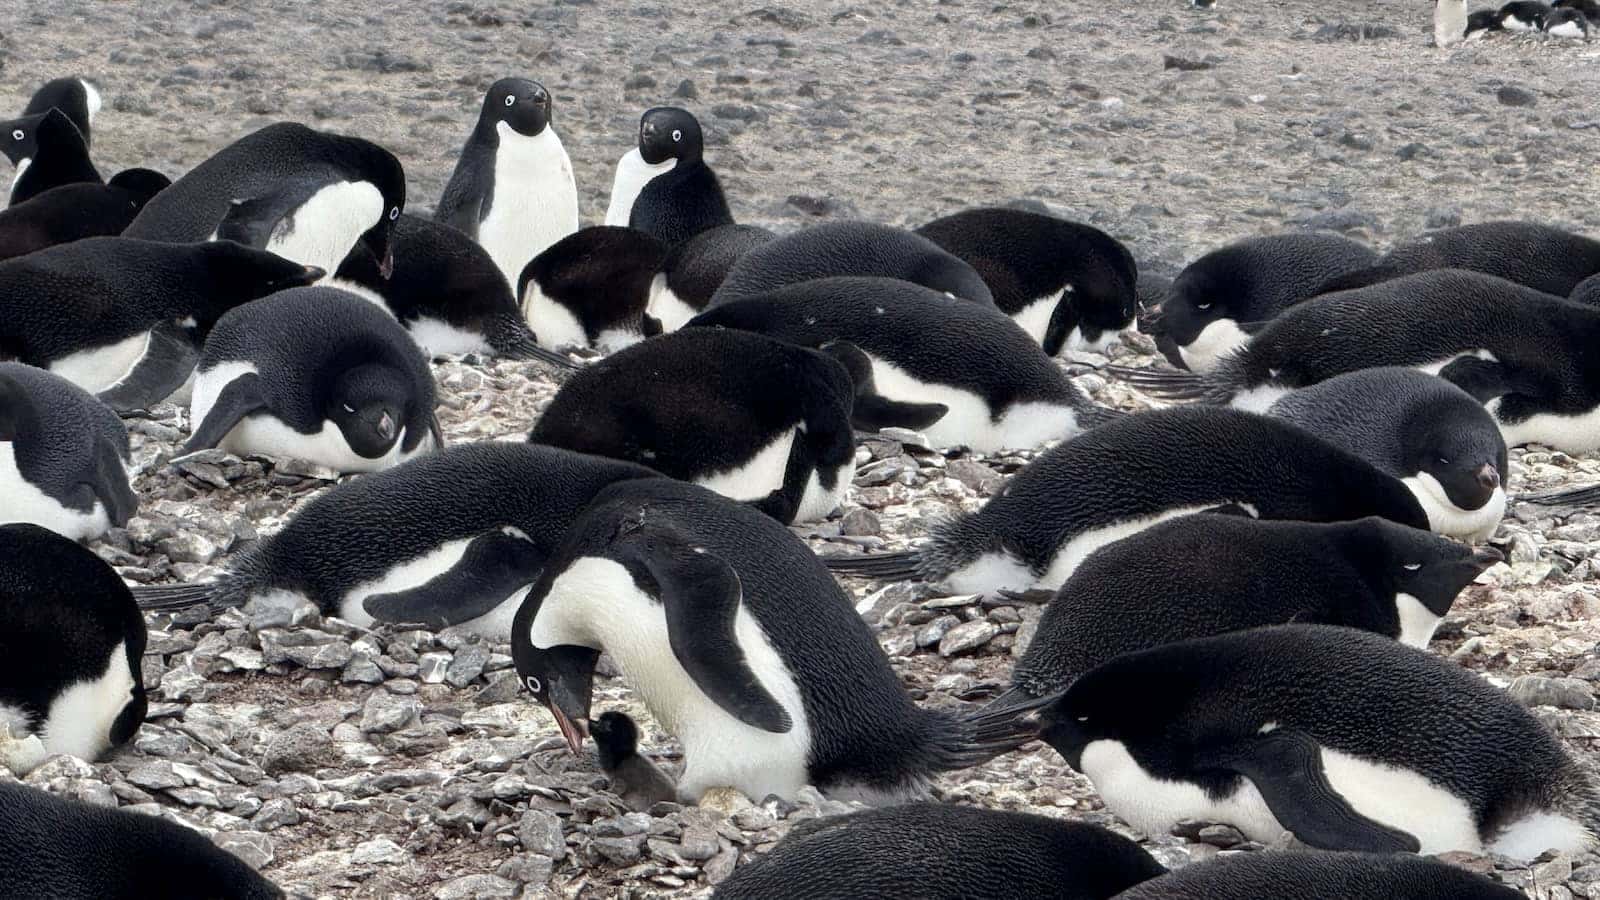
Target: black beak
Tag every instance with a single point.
(386, 426)
(1484, 557)
(1488, 476)
(386, 268)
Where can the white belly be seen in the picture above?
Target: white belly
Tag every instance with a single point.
(98, 368)
(82, 715)
(1566, 30)
(324, 228)
(665, 306)
(1444, 517)
(1217, 340)
(535, 199)
(553, 324)
(440, 338)
(20, 501)
(1512, 23)
(968, 422)
(494, 625)
(633, 173)
(818, 501)
(1570, 434)
(1034, 318)
(756, 477)
(1449, 22)
(1258, 399)
(1076, 341)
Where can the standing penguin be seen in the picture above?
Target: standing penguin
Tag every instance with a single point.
(1449, 22)
(591, 289)
(47, 151)
(634, 778)
(1542, 257)
(78, 98)
(63, 456)
(1347, 739)
(663, 187)
(71, 212)
(1068, 285)
(741, 645)
(694, 270)
(512, 190)
(302, 194)
(1320, 874)
(318, 374)
(71, 645)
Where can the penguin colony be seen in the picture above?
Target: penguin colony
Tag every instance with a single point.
(1238, 594)
(1572, 19)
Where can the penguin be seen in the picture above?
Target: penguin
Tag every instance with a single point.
(1129, 474)
(1524, 15)
(1347, 739)
(742, 646)
(512, 190)
(1423, 430)
(1321, 874)
(1589, 8)
(663, 187)
(450, 538)
(1521, 353)
(317, 374)
(1449, 22)
(47, 151)
(1217, 297)
(941, 851)
(1208, 574)
(855, 249)
(637, 780)
(1587, 291)
(956, 370)
(1482, 22)
(1068, 285)
(123, 318)
(750, 417)
(305, 195)
(78, 98)
(591, 288)
(1547, 259)
(71, 651)
(447, 292)
(694, 269)
(74, 211)
(63, 456)
(1566, 23)
(71, 850)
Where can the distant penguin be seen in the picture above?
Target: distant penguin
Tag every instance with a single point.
(1323, 875)
(1589, 8)
(663, 187)
(941, 851)
(305, 195)
(1523, 354)
(851, 249)
(1482, 22)
(1567, 23)
(447, 292)
(954, 369)
(74, 211)
(63, 456)
(318, 374)
(451, 538)
(512, 189)
(47, 151)
(1217, 297)
(1347, 739)
(637, 780)
(124, 318)
(71, 648)
(742, 645)
(1206, 574)
(69, 850)
(1541, 257)
(694, 270)
(1449, 22)
(750, 417)
(1068, 285)
(1130, 474)
(1524, 15)
(591, 289)
(77, 97)
(1423, 430)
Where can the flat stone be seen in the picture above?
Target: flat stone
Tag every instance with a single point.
(476, 887)
(1563, 693)
(255, 849)
(380, 851)
(968, 636)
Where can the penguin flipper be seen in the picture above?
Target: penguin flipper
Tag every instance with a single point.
(872, 410)
(495, 566)
(110, 485)
(1482, 378)
(252, 220)
(169, 358)
(1286, 767)
(16, 410)
(1063, 319)
(239, 398)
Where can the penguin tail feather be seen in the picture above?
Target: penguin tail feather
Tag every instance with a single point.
(898, 566)
(1095, 415)
(1584, 496)
(1018, 698)
(1159, 381)
(523, 346)
(229, 590)
(974, 739)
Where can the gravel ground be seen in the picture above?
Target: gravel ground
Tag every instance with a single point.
(346, 763)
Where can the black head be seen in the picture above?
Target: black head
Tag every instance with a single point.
(1458, 446)
(141, 184)
(379, 167)
(667, 132)
(235, 274)
(22, 138)
(369, 403)
(560, 677)
(523, 105)
(75, 97)
(1396, 559)
(1127, 700)
(616, 738)
(1484, 20)
(1196, 299)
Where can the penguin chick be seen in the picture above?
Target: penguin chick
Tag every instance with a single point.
(639, 782)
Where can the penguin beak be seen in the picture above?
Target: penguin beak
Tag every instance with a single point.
(573, 731)
(386, 268)
(1488, 476)
(1484, 557)
(386, 426)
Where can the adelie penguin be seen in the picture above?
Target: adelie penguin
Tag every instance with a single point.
(663, 186)
(1524, 15)
(451, 538)
(1345, 738)
(637, 780)
(47, 151)
(78, 98)
(851, 249)
(694, 269)
(305, 195)
(63, 456)
(741, 645)
(1542, 257)
(936, 851)
(1567, 23)
(1483, 22)
(72, 212)
(123, 318)
(747, 416)
(318, 374)
(512, 189)
(956, 370)
(591, 289)
(1449, 22)
(1321, 875)
(1130, 474)
(1068, 285)
(1201, 575)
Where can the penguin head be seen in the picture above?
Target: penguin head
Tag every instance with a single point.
(1399, 560)
(1195, 299)
(560, 677)
(1484, 20)
(1125, 701)
(523, 105)
(383, 171)
(24, 138)
(140, 184)
(616, 738)
(667, 132)
(237, 274)
(1460, 449)
(369, 404)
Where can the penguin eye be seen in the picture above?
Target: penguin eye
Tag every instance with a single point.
(1202, 306)
(394, 213)
(510, 100)
(533, 684)
(1412, 567)
(17, 135)
(676, 135)
(348, 408)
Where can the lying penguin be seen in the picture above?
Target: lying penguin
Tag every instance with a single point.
(694, 269)
(1543, 257)
(75, 211)
(1316, 873)
(591, 288)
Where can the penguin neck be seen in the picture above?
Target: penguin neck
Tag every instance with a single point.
(633, 173)
(529, 152)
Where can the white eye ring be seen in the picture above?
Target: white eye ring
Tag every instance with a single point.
(510, 99)
(17, 135)
(677, 135)
(1412, 567)
(394, 213)
(1202, 306)
(533, 684)
(348, 408)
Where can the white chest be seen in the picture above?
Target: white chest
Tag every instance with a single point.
(20, 501)
(633, 173)
(98, 368)
(1219, 338)
(671, 311)
(1571, 434)
(970, 422)
(535, 200)
(1445, 517)
(323, 229)
(553, 324)
(81, 716)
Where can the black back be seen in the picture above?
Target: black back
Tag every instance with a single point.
(1322, 875)
(602, 274)
(68, 95)
(74, 211)
(66, 443)
(687, 199)
(58, 153)
(1542, 257)
(696, 267)
(1531, 11)
(469, 195)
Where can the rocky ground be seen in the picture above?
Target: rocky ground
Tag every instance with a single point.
(347, 763)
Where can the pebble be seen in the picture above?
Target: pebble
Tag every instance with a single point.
(967, 636)
(1564, 693)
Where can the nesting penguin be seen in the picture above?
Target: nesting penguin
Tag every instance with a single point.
(1070, 286)
(451, 538)
(1449, 22)
(1347, 739)
(1542, 257)
(1524, 15)
(663, 186)
(694, 269)
(748, 416)
(47, 151)
(941, 851)
(1321, 874)
(1130, 474)
(318, 374)
(741, 645)
(71, 212)
(1482, 22)
(78, 98)
(63, 456)
(71, 649)
(956, 370)
(512, 189)
(1565, 22)
(634, 778)
(591, 289)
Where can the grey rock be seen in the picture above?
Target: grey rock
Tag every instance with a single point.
(1563, 693)
(476, 887)
(384, 713)
(255, 849)
(934, 632)
(379, 851)
(467, 665)
(302, 748)
(967, 636)
(1511, 95)
(540, 832)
